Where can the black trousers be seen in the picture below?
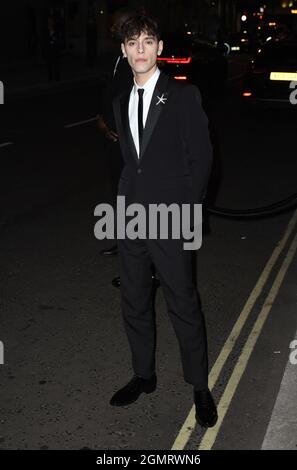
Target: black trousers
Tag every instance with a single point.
(174, 268)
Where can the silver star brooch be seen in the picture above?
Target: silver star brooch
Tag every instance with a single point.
(161, 99)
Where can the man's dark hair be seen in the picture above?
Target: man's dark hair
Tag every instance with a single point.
(138, 24)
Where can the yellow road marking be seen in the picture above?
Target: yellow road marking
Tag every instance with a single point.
(190, 422)
(211, 434)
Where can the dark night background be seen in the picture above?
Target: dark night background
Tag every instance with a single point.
(65, 351)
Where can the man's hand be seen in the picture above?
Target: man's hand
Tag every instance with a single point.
(108, 133)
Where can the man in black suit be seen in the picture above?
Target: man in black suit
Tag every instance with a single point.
(167, 153)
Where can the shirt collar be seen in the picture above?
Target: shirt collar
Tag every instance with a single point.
(149, 84)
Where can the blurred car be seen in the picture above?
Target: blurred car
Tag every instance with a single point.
(194, 60)
(270, 73)
(239, 42)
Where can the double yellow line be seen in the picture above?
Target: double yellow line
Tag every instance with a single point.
(190, 423)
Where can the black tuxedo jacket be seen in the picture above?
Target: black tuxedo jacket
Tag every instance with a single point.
(176, 153)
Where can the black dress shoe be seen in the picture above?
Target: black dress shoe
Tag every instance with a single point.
(112, 251)
(206, 411)
(116, 282)
(131, 391)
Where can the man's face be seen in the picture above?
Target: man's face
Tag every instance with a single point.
(142, 52)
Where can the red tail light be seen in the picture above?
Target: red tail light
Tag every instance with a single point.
(180, 77)
(175, 60)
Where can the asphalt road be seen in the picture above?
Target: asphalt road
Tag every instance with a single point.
(65, 351)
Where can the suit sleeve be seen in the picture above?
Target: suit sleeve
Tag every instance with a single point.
(195, 132)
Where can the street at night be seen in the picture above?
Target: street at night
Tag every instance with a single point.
(64, 348)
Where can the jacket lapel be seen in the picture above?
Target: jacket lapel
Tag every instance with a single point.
(154, 111)
(152, 117)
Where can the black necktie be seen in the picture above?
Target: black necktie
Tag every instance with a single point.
(140, 114)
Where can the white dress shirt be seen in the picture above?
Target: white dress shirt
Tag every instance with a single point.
(148, 87)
